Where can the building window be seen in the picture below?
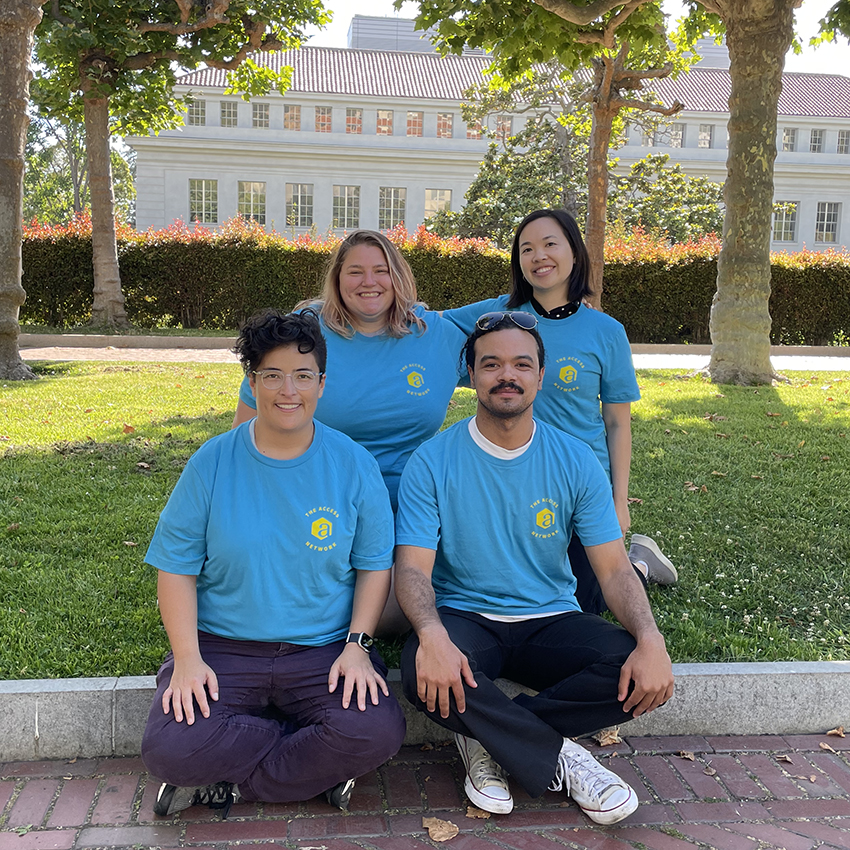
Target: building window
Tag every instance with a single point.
(843, 141)
(252, 201)
(196, 113)
(299, 204)
(785, 221)
(789, 138)
(436, 200)
(203, 201)
(826, 224)
(229, 113)
(473, 130)
(260, 115)
(647, 139)
(291, 117)
(415, 120)
(385, 122)
(346, 206)
(677, 136)
(444, 125)
(324, 119)
(706, 136)
(504, 127)
(816, 141)
(354, 121)
(391, 204)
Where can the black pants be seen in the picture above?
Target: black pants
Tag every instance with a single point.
(572, 659)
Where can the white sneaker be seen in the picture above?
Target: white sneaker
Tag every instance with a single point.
(600, 794)
(659, 568)
(485, 784)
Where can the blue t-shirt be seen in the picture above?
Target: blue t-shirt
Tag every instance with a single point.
(588, 361)
(501, 528)
(388, 394)
(275, 543)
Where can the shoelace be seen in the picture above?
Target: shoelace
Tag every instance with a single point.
(485, 771)
(583, 772)
(218, 796)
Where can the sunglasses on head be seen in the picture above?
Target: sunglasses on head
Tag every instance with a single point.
(522, 320)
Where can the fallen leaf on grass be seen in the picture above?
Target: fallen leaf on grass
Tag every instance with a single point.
(13, 526)
(824, 746)
(684, 754)
(689, 485)
(142, 465)
(130, 543)
(128, 429)
(786, 759)
(773, 414)
(721, 435)
(439, 830)
(801, 444)
(608, 737)
(720, 474)
(825, 457)
(838, 732)
(757, 477)
(633, 500)
(4, 437)
(89, 409)
(473, 812)
(709, 771)
(703, 489)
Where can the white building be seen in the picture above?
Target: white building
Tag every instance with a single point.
(374, 137)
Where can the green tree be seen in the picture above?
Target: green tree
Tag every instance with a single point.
(56, 185)
(18, 20)
(624, 45)
(113, 66)
(662, 198)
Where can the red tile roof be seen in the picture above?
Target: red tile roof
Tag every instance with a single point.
(803, 95)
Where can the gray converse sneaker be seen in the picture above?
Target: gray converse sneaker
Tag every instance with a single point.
(340, 795)
(659, 569)
(485, 783)
(175, 798)
(600, 794)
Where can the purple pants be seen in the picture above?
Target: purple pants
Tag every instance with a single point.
(275, 730)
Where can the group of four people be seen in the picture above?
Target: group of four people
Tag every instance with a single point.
(275, 551)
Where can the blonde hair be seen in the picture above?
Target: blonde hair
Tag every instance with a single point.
(402, 317)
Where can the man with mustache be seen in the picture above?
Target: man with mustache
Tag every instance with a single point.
(486, 512)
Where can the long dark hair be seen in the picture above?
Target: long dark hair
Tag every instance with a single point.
(578, 286)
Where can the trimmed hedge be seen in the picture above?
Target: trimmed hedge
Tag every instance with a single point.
(198, 278)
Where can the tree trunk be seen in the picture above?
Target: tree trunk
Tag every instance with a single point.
(597, 193)
(758, 35)
(18, 19)
(108, 305)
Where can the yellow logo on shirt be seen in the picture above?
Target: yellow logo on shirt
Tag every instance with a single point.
(544, 518)
(568, 374)
(414, 374)
(321, 528)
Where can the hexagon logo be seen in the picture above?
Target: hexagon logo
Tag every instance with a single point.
(568, 374)
(545, 518)
(322, 528)
(415, 379)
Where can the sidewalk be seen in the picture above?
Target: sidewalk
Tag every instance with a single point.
(738, 793)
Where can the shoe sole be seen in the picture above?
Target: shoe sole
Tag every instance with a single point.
(488, 804)
(615, 815)
(668, 575)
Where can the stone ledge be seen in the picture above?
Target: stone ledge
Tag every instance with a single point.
(87, 718)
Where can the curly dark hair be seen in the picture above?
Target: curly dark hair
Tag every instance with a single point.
(270, 329)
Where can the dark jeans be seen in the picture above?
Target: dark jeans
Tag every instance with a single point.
(275, 730)
(573, 660)
(588, 592)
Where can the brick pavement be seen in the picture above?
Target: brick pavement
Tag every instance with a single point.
(747, 793)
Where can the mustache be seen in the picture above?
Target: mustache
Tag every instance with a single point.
(507, 385)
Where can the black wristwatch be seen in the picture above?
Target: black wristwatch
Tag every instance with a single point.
(364, 641)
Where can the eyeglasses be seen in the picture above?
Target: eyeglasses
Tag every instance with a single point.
(522, 320)
(303, 379)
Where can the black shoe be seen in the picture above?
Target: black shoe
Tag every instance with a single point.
(174, 798)
(340, 795)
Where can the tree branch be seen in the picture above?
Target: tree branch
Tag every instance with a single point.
(55, 13)
(145, 60)
(582, 15)
(643, 106)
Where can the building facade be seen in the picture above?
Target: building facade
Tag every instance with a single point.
(369, 137)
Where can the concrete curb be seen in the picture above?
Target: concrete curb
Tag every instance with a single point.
(201, 342)
(88, 718)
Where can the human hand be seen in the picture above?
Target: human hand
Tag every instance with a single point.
(650, 669)
(355, 666)
(190, 679)
(441, 670)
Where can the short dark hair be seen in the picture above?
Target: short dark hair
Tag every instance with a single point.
(579, 283)
(271, 329)
(467, 353)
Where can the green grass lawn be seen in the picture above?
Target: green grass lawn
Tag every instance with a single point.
(746, 490)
